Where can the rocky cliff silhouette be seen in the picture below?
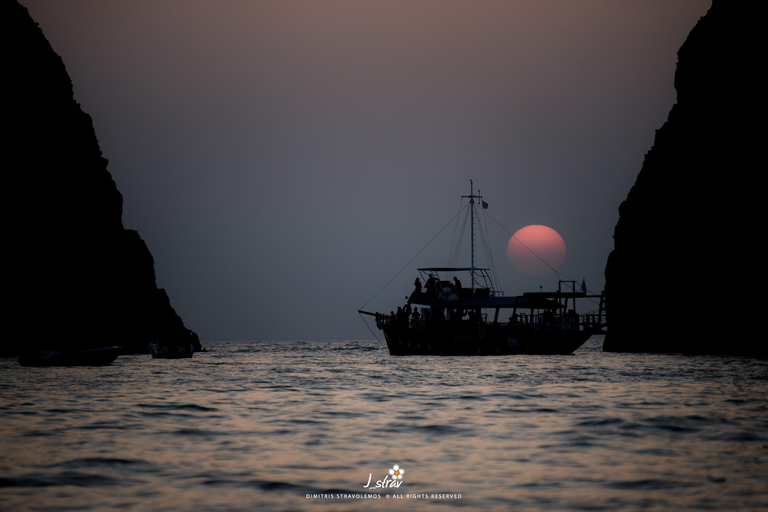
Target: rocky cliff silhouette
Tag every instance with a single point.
(76, 278)
(684, 275)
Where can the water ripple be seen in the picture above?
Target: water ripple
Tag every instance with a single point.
(304, 425)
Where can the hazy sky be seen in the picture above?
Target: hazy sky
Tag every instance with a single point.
(284, 160)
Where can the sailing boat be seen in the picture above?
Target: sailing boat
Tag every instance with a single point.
(444, 318)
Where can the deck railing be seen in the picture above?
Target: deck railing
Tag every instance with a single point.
(536, 322)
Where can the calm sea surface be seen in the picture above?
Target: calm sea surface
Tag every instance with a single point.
(303, 426)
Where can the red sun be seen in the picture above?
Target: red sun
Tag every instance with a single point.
(536, 250)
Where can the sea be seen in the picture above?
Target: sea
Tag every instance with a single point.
(342, 426)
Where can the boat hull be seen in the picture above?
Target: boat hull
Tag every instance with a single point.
(404, 341)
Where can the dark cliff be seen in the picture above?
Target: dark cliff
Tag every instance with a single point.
(76, 277)
(680, 277)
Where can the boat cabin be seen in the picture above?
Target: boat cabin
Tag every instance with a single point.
(439, 294)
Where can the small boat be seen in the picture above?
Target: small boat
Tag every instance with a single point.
(102, 356)
(171, 351)
(445, 319)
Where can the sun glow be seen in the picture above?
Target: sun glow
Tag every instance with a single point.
(536, 250)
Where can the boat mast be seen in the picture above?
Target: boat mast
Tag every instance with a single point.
(472, 231)
(472, 198)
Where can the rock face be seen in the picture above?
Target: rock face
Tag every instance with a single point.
(677, 279)
(76, 277)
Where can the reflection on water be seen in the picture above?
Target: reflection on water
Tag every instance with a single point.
(299, 425)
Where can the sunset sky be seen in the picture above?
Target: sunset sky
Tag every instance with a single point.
(283, 160)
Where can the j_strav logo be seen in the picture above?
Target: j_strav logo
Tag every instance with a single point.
(393, 479)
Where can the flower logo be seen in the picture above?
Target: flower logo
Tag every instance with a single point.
(396, 472)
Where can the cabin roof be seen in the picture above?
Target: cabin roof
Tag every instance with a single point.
(449, 269)
(518, 301)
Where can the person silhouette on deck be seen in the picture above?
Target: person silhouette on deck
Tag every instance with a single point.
(431, 285)
(415, 317)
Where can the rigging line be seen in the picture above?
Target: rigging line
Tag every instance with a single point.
(462, 235)
(484, 242)
(457, 250)
(453, 239)
(369, 328)
(411, 261)
(488, 253)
